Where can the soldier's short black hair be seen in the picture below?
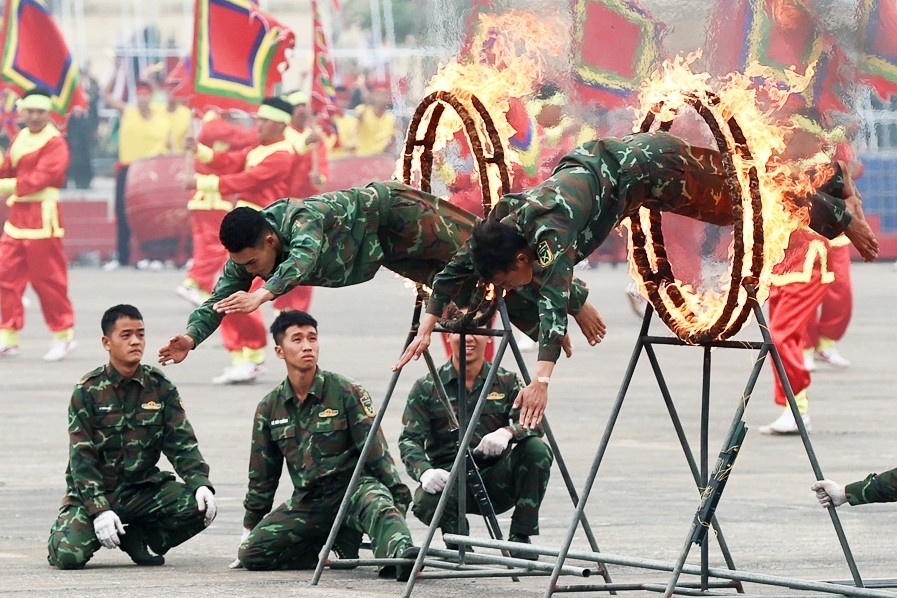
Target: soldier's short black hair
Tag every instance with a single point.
(117, 312)
(242, 228)
(290, 317)
(493, 248)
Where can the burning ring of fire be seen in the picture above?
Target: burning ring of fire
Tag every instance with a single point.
(675, 302)
(427, 117)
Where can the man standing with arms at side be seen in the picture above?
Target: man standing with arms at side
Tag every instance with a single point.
(514, 463)
(31, 245)
(122, 417)
(317, 422)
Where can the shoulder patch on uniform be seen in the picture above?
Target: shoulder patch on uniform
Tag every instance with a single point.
(328, 413)
(495, 396)
(545, 254)
(92, 374)
(367, 405)
(152, 406)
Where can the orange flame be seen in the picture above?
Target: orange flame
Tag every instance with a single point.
(673, 84)
(510, 64)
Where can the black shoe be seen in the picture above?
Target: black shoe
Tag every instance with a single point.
(132, 543)
(403, 572)
(519, 554)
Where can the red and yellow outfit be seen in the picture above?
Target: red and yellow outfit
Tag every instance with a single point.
(256, 176)
(799, 284)
(207, 209)
(31, 244)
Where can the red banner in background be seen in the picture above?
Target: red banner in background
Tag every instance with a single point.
(36, 55)
(878, 51)
(238, 54)
(615, 47)
(323, 92)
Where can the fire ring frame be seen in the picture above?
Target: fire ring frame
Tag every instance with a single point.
(664, 291)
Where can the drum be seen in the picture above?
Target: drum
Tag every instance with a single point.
(358, 171)
(156, 206)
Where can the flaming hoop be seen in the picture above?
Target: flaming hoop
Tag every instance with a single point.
(674, 302)
(488, 151)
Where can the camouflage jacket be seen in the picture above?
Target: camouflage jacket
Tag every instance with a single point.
(881, 487)
(342, 238)
(119, 427)
(428, 440)
(320, 439)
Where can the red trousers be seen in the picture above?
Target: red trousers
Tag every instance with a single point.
(42, 263)
(837, 304)
(791, 307)
(209, 254)
(248, 330)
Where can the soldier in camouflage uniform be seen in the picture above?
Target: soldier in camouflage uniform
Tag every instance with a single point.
(317, 422)
(342, 238)
(514, 462)
(123, 416)
(544, 231)
(876, 487)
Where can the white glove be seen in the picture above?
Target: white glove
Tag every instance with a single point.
(829, 493)
(494, 443)
(205, 502)
(434, 480)
(237, 564)
(107, 526)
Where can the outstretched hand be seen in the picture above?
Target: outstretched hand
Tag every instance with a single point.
(532, 400)
(176, 350)
(419, 343)
(590, 323)
(242, 302)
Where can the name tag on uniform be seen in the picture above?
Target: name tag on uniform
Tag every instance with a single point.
(106, 408)
(495, 396)
(280, 422)
(329, 413)
(152, 406)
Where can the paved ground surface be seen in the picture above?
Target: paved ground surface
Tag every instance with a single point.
(643, 500)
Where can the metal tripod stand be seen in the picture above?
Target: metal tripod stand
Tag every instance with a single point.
(709, 484)
(470, 565)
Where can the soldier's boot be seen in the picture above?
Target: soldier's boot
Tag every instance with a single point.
(451, 527)
(519, 554)
(346, 546)
(403, 572)
(133, 543)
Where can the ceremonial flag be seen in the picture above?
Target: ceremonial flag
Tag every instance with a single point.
(35, 55)
(615, 46)
(323, 93)
(878, 51)
(238, 53)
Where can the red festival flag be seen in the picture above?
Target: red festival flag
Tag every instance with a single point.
(35, 55)
(615, 46)
(878, 50)
(238, 54)
(323, 93)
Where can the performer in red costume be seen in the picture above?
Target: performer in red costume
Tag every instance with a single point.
(256, 176)
(221, 132)
(32, 173)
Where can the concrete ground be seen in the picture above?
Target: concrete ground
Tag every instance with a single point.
(642, 502)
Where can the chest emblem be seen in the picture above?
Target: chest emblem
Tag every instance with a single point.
(329, 413)
(152, 406)
(495, 396)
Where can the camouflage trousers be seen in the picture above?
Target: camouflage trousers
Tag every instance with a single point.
(518, 480)
(292, 535)
(164, 514)
(670, 175)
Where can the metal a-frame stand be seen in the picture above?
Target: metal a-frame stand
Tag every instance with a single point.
(710, 485)
(451, 563)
